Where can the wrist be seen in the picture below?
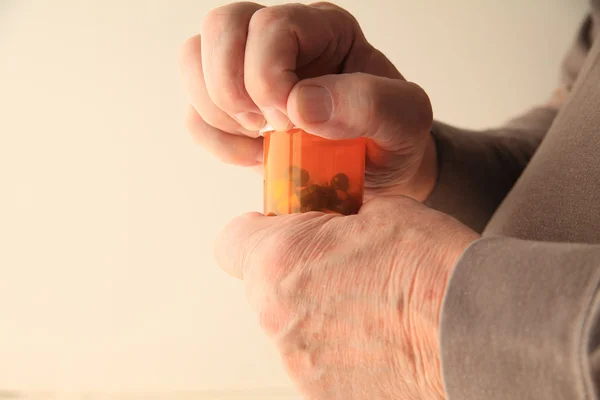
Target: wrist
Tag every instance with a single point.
(428, 296)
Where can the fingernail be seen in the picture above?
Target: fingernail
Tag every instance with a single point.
(315, 104)
(250, 120)
(278, 120)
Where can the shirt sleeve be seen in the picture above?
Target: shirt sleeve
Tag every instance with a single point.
(477, 169)
(520, 318)
(520, 321)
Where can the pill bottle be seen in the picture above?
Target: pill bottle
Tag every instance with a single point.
(304, 172)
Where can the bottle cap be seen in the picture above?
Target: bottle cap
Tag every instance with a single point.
(264, 129)
(268, 128)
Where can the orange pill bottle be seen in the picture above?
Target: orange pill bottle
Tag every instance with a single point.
(304, 172)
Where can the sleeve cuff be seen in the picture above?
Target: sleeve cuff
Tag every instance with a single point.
(517, 318)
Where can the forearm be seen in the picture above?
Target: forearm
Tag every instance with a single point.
(477, 169)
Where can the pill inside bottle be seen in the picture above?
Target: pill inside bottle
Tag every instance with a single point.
(304, 172)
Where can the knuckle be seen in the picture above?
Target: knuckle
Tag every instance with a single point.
(270, 17)
(325, 4)
(226, 85)
(379, 102)
(268, 84)
(345, 14)
(220, 19)
(217, 20)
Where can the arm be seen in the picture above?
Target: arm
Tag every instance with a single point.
(477, 169)
(520, 321)
(520, 317)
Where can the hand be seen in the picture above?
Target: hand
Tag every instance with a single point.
(310, 66)
(352, 303)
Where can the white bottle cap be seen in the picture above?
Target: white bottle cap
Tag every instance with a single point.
(268, 128)
(264, 129)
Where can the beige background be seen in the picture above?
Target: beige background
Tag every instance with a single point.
(108, 210)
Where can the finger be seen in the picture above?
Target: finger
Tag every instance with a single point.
(388, 111)
(235, 244)
(289, 42)
(224, 33)
(193, 79)
(231, 149)
(265, 248)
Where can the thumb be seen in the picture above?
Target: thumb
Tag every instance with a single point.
(234, 246)
(388, 111)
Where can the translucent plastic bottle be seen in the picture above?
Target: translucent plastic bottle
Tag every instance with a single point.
(303, 173)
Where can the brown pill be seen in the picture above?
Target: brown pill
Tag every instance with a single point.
(332, 198)
(299, 176)
(349, 206)
(341, 195)
(340, 182)
(307, 194)
(312, 198)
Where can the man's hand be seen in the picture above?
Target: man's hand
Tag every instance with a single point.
(310, 66)
(352, 303)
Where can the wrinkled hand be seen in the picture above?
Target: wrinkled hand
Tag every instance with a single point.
(352, 303)
(310, 66)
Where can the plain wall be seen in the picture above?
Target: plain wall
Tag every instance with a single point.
(108, 209)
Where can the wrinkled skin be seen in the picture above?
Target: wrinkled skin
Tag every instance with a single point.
(253, 63)
(352, 303)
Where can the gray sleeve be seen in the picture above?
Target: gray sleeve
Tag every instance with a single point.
(477, 169)
(520, 321)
